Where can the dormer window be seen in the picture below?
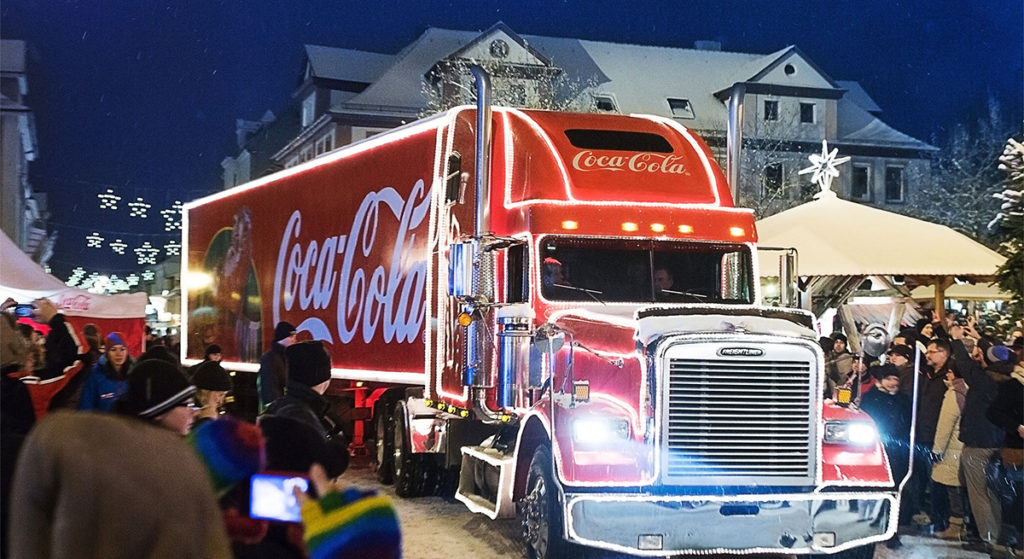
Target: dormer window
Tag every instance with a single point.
(308, 110)
(605, 103)
(681, 108)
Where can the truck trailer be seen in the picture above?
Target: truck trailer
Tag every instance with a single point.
(560, 313)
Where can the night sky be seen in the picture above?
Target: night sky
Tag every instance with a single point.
(141, 96)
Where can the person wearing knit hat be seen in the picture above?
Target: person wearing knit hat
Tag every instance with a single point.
(212, 384)
(158, 392)
(107, 380)
(273, 374)
(231, 449)
(349, 522)
(213, 353)
(160, 352)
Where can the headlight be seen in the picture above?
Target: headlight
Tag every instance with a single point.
(851, 432)
(594, 430)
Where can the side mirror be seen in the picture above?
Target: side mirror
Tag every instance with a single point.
(460, 269)
(545, 340)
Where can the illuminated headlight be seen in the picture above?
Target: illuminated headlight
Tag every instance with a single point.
(590, 431)
(850, 432)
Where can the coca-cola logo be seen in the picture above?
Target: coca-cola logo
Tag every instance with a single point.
(643, 162)
(321, 274)
(76, 303)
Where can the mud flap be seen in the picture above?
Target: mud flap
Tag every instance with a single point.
(485, 482)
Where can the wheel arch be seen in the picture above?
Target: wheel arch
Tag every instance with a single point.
(534, 434)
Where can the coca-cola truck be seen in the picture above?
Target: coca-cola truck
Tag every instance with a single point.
(560, 313)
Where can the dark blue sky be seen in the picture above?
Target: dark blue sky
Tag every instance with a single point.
(142, 95)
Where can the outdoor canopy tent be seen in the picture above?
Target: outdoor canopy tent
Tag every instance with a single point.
(24, 281)
(840, 243)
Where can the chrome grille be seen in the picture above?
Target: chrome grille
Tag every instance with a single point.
(729, 418)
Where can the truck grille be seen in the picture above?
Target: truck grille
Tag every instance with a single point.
(730, 418)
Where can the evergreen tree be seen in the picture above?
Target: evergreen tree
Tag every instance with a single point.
(1010, 224)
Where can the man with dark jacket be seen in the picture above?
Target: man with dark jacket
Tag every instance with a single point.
(1007, 411)
(62, 345)
(273, 373)
(982, 439)
(931, 390)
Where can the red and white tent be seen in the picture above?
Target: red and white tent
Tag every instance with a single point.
(24, 281)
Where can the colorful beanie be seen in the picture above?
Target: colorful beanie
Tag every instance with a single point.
(114, 338)
(231, 449)
(351, 523)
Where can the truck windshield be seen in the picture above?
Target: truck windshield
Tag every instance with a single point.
(620, 271)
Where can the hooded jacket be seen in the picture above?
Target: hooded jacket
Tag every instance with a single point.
(1007, 411)
(976, 430)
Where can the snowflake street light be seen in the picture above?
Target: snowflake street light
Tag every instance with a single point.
(108, 200)
(118, 246)
(824, 168)
(95, 240)
(148, 275)
(146, 253)
(172, 248)
(138, 208)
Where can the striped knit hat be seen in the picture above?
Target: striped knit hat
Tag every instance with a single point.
(351, 523)
(231, 450)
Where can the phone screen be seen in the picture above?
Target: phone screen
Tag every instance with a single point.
(23, 310)
(271, 497)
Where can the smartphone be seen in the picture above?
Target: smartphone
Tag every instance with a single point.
(23, 310)
(271, 496)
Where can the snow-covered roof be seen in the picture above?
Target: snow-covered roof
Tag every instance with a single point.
(640, 78)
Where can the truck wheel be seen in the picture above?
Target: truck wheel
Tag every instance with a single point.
(540, 512)
(384, 429)
(407, 466)
(863, 552)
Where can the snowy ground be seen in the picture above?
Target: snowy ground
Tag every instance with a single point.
(434, 527)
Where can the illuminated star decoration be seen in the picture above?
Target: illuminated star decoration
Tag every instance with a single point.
(146, 253)
(172, 248)
(132, 280)
(824, 168)
(94, 241)
(148, 275)
(172, 217)
(108, 200)
(118, 246)
(138, 208)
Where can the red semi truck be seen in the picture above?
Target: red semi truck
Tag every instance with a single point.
(562, 310)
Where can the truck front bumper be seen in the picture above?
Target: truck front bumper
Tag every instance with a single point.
(786, 523)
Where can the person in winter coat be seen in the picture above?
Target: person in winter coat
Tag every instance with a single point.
(931, 390)
(108, 379)
(273, 373)
(62, 346)
(212, 384)
(946, 450)
(1007, 411)
(891, 410)
(982, 439)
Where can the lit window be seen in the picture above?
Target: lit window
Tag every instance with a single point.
(771, 110)
(807, 113)
(860, 188)
(681, 108)
(894, 186)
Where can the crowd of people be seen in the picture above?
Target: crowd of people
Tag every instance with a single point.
(107, 454)
(962, 444)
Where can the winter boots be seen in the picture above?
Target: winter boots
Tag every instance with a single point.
(955, 530)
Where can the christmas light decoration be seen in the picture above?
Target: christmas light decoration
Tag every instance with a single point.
(108, 200)
(132, 279)
(139, 208)
(118, 246)
(172, 217)
(824, 168)
(172, 248)
(95, 240)
(148, 275)
(146, 253)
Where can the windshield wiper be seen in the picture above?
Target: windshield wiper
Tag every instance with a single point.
(592, 293)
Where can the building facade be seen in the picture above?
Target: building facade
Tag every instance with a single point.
(790, 105)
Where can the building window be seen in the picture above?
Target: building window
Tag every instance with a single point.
(605, 103)
(807, 113)
(860, 189)
(681, 108)
(771, 181)
(771, 110)
(308, 110)
(325, 144)
(894, 186)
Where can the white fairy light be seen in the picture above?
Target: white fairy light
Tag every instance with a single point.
(172, 217)
(172, 248)
(118, 246)
(138, 208)
(146, 253)
(132, 280)
(148, 275)
(108, 200)
(95, 240)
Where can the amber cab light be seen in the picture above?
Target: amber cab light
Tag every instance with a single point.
(736, 231)
(630, 226)
(686, 229)
(569, 224)
(658, 227)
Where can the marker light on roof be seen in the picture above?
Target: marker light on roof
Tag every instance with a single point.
(629, 226)
(736, 231)
(686, 229)
(569, 224)
(658, 227)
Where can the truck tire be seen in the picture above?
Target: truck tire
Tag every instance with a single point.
(414, 473)
(540, 512)
(384, 433)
